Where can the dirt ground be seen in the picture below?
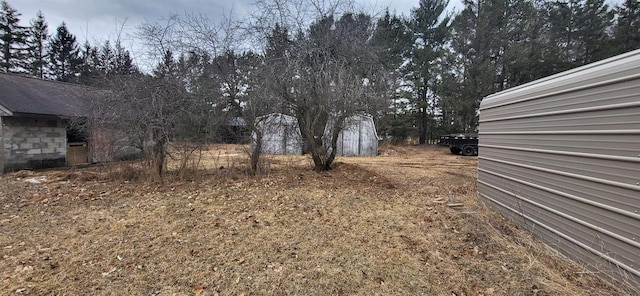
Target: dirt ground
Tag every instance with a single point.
(408, 222)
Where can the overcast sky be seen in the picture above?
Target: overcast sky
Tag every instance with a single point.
(99, 20)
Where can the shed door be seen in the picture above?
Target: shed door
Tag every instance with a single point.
(77, 153)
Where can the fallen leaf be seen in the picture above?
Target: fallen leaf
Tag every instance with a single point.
(198, 290)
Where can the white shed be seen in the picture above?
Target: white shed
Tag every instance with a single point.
(358, 137)
(280, 134)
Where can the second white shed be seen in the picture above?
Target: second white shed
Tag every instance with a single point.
(358, 137)
(280, 134)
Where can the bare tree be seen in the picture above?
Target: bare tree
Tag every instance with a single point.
(189, 33)
(159, 116)
(140, 111)
(225, 78)
(324, 75)
(296, 15)
(236, 76)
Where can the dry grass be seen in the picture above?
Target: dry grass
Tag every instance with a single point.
(371, 226)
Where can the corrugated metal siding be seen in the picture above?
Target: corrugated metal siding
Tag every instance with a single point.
(358, 137)
(561, 156)
(280, 134)
(2, 146)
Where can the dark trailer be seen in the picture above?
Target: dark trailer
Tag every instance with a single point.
(445, 140)
(467, 143)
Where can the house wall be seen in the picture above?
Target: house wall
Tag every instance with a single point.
(107, 145)
(30, 143)
(561, 157)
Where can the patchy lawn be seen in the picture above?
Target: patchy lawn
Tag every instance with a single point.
(408, 222)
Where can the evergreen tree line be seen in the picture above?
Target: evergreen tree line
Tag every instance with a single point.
(32, 50)
(425, 73)
(491, 45)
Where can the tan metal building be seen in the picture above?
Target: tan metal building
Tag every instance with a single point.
(561, 157)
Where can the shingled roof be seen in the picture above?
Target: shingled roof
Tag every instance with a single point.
(24, 95)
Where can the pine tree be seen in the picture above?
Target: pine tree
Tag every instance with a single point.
(563, 50)
(430, 32)
(595, 21)
(123, 63)
(167, 68)
(278, 43)
(393, 38)
(116, 60)
(13, 40)
(64, 55)
(578, 32)
(90, 64)
(521, 43)
(38, 35)
(106, 58)
(477, 64)
(100, 64)
(627, 30)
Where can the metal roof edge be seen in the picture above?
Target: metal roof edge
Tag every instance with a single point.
(53, 81)
(41, 115)
(625, 60)
(4, 111)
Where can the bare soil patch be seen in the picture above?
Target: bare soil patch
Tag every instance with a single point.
(370, 226)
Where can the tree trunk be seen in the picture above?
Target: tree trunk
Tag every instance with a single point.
(255, 152)
(317, 154)
(322, 160)
(159, 155)
(423, 126)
